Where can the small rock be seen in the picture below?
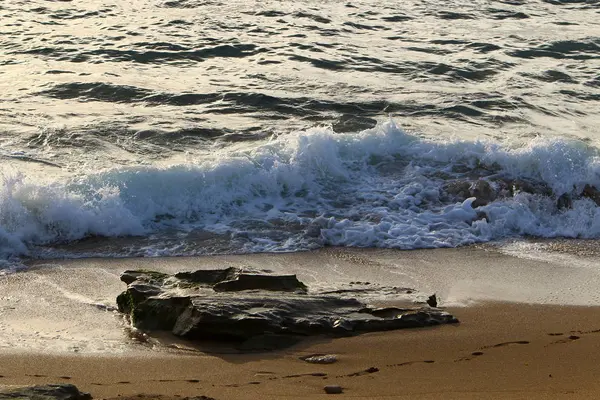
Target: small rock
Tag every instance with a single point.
(320, 358)
(591, 193)
(313, 230)
(432, 301)
(483, 193)
(333, 389)
(564, 201)
(482, 216)
(459, 189)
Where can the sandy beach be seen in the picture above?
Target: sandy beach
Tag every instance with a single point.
(500, 350)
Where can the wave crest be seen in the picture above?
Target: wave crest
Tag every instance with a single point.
(381, 187)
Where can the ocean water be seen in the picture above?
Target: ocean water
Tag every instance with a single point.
(183, 127)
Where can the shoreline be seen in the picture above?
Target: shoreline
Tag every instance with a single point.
(536, 272)
(58, 326)
(69, 306)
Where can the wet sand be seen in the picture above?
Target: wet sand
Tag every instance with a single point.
(57, 325)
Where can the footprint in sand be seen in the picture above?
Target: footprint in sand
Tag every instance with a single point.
(506, 344)
(586, 332)
(242, 384)
(575, 335)
(410, 363)
(569, 339)
(480, 353)
(300, 375)
(317, 374)
(592, 331)
(367, 371)
(273, 378)
(463, 359)
(475, 353)
(263, 373)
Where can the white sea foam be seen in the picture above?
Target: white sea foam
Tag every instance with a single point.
(381, 187)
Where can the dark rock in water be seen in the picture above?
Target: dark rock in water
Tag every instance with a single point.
(527, 186)
(333, 389)
(45, 392)
(480, 189)
(564, 201)
(482, 215)
(483, 193)
(492, 188)
(458, 189)
(591, 193)
(489, 189)
(261, 311)
(313, 230)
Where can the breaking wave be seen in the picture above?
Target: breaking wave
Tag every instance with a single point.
(382, 187)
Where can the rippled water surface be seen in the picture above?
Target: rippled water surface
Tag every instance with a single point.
(90, 86)
(142, 79)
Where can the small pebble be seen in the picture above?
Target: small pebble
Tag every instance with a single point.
(333, 389)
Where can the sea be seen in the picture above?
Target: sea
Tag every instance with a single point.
(147, 128)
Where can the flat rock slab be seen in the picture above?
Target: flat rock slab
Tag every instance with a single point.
(262, 311)
(45, 392)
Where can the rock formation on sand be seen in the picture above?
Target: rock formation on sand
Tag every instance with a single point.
(62, 391)
(45, 392)
(259, 310)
